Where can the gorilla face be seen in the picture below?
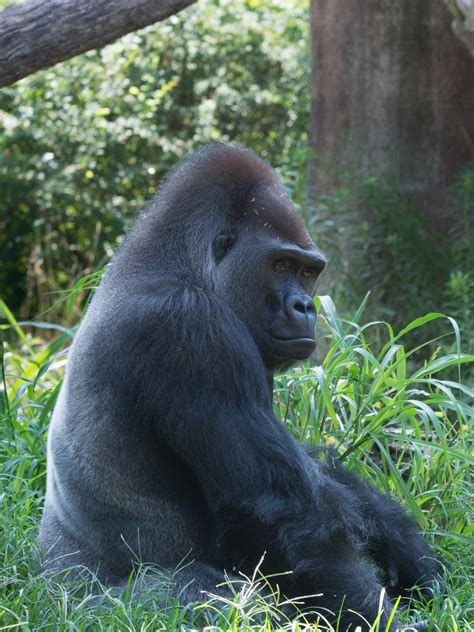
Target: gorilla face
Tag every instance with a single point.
(291, 313)
(279, 265)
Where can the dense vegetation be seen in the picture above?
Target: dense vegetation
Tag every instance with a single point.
(380, 242)
(84, 145)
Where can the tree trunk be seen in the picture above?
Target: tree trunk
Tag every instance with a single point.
(40, 33)
(393, 94)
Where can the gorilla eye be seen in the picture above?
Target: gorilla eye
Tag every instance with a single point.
(221, 245)
(309, 273)
(282, 265)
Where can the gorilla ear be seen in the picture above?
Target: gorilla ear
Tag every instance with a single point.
(222, 244)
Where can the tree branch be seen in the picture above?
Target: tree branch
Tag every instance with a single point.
(40, 33)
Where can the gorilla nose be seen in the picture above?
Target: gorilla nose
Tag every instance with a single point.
(301, 312)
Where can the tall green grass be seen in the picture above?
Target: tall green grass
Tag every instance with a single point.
(402, 422)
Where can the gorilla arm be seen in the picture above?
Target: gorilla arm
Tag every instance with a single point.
(207, 394)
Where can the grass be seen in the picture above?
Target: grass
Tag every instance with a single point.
(400, 417)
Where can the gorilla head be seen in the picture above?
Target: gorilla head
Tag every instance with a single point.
(163, 443)
(233, 227)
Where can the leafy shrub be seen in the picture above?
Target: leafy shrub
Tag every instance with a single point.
(84, 144)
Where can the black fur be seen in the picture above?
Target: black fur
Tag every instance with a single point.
(163, 443)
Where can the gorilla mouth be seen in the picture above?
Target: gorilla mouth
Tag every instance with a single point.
(294, 339)
(296, 347)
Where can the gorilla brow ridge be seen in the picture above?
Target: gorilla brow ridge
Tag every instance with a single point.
(217, 169)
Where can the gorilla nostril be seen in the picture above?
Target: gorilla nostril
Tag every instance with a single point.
(300, 307)
(305, 307)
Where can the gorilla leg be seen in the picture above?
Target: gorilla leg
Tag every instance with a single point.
(188, 582)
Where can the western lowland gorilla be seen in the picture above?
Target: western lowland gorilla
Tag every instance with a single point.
(163, 443)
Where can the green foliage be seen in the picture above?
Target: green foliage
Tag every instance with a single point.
(84, 144)
(379, 241)
(407, 428)
(409, 260)
(459, 289)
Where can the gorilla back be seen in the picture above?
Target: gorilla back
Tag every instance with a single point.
(163, 444)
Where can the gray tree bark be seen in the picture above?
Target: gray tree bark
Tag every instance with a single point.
(40, 33)
(392, 94)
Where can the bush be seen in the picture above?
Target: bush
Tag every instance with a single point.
(84, 144)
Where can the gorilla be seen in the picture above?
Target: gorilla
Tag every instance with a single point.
(164, 445)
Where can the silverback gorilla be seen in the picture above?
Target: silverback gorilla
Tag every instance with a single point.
(163, 443)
